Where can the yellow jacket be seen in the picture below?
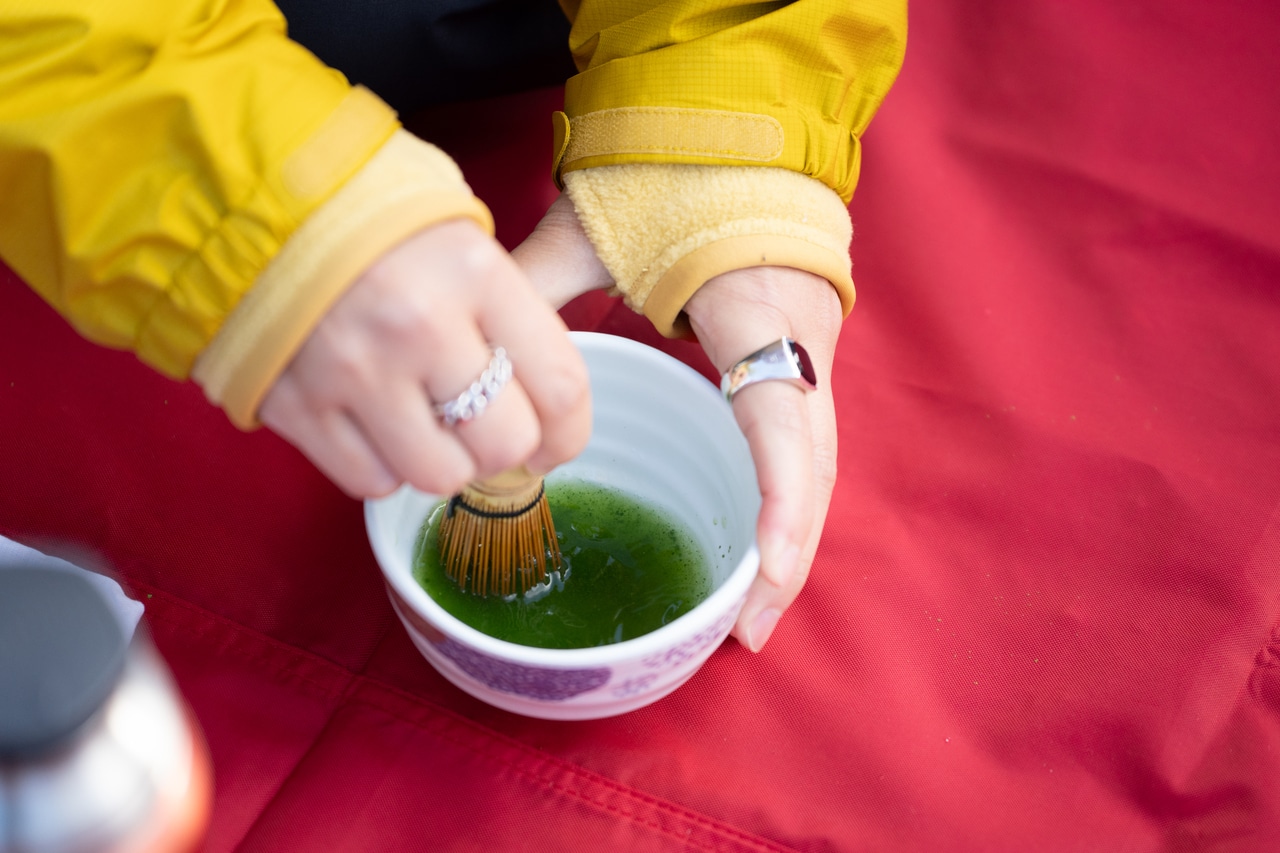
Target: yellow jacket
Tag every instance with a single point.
(182, 180)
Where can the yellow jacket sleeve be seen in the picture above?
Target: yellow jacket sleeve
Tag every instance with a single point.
(155, 159)
(406, 186)
(728, 82)
(704, 137)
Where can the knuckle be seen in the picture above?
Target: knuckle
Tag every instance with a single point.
(370, 487)
(347, 370)
(481, 260)
(514, 449)
(410, 322)
(356, 478)
(563, 391)
(343, 363)
(445, 479)
(565, 440)
(559, 449)
(565, 386)
(394, 308)
(439, 470)
(282, 408)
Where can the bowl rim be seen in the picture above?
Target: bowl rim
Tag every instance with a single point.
(722, 600)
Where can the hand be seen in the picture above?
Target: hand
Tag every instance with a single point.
(558, 256)
(792, 434)
(415, 329)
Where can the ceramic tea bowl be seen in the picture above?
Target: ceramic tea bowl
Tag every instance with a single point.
(661, 432)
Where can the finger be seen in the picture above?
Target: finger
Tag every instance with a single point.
(493, 302)
(403, 429)
(427, 350)
(331, 440)
(549, 369)
(766, 601)
(380, 375)
(774, 417)
(504, 435)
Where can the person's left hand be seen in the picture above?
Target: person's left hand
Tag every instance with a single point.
(792, 434)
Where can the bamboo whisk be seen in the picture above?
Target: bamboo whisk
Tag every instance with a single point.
(497, 537)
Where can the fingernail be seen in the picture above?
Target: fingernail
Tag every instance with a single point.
(762, 628)
(778, 567)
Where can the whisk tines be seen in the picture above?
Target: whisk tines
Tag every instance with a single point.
(497, 536)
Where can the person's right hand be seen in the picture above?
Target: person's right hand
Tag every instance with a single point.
(415, 330)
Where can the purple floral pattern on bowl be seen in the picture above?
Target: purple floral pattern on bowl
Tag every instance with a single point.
(633, 686)
(644, 401)
(547, 685)
(691, 647)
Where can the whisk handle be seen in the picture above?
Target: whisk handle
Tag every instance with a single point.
(510, 485)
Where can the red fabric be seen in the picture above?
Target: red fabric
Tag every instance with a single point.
(1044, 614)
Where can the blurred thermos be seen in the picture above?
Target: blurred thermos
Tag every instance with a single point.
(98, 752)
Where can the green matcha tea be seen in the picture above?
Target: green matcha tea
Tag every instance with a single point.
(629, 568)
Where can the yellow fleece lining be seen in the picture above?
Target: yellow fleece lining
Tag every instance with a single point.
(407, 186)
(658, 227)
(666, 302)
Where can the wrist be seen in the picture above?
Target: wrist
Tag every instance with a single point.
(662, 231)
(739, 311)
(559, 258)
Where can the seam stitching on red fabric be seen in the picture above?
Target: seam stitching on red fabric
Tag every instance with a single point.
(329, 691)
(729, 833)
(293, 770)
(346, 695)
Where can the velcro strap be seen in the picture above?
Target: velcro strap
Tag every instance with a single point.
(678, 133)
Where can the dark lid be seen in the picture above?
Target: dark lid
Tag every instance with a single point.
(61, 653)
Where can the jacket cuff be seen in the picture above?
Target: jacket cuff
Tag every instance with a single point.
(407, 186)
(663, 230)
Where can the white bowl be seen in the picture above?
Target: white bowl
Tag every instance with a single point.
(661, 432)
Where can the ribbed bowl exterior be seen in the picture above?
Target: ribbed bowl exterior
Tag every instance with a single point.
(661, 432)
